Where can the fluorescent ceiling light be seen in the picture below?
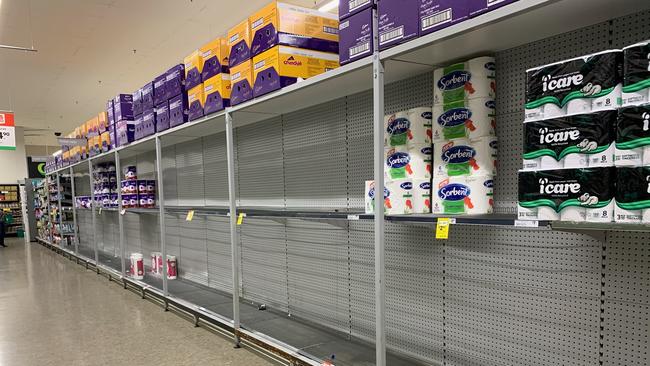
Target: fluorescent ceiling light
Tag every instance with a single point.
(329, 6)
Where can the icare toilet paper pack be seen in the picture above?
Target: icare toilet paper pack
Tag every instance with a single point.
(636, 74)
(567, 195)
(578, 141)
(397, 197)
(408, 162)
(579, 85)
(408, 128)
(462, 195)
(633, 136)
(633, 195)
(464, 81)
(464, 157)
(470, 119)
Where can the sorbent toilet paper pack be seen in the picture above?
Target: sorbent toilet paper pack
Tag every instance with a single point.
(470, 119)
(420, 130)
(421, 196)
(462, 195)
(465, 157)
(464, 81)
(397, 197)
(578, 141)
(412, 127)
(402, 162)
(579, 85)
(636, 74)
(633, 136)
(632, 195)
(567, 194)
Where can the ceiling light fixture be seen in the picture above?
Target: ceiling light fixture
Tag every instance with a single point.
(329, 6)
(16, 48)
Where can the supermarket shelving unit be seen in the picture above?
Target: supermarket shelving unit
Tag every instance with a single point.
(373, 289)
(10, 199)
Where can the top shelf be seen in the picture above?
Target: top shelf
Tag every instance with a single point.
(513, 25)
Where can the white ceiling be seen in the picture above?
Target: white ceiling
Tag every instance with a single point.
(90, 50)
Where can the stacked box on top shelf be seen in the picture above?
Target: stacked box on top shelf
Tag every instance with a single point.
(239, 62)
(215, 76)
(464, 137)
(356, 35)
(124, 119)
(398, 21)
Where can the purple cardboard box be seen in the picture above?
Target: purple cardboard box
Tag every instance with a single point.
(174, 81)
(398, 21)
(267, 37)
(137, 131)
(347, 8)
(438, 14)
(478, 7)
(148, 122)
(159, 93)
(211, 67)
(110, 112)
(123, 107)
(124, 132)
(239, 53)
(214, 101)
(178, 110)
(111, 133)
(137, 102)
(147, 95)
(162, 117)
(355, 37)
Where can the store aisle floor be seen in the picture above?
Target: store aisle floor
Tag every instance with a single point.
(54, 312)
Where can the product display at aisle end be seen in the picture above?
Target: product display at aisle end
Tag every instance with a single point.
(10, 203)
(585, 136)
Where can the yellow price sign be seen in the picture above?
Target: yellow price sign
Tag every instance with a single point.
(190, 215)
(442, 228)
(240, 218)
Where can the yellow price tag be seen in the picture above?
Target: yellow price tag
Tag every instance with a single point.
(240, 218)
(190, 215)
(442, 228)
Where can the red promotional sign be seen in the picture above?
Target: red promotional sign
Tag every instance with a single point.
(7, 119)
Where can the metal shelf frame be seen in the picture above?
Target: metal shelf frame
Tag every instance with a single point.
(411, 58)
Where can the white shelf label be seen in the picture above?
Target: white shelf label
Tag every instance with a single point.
(353, 217)
(526, 223)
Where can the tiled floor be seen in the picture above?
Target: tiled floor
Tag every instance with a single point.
(55, 313)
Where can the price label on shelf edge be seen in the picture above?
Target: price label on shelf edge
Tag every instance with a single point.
(442, 227)
(190, 215)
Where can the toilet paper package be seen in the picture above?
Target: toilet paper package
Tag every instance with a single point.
(636, 74)
(464, 81)
(462, 195)
(464, 157)
(567, 195)
(369, 196)
(633, 195)
(470, 119)
(398, 197)
(408, 162)
(578, 141)
(421, 196)
(633, 136)
(579, 85)
(408, 128)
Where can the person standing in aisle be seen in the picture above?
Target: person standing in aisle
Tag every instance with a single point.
(2, 228)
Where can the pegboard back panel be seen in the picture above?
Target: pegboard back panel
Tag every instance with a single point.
(219, 253)
(215, 178)
(630, 29)
(317, 266)
(315, 157)
(359, 146)
(190, 173)
(170, 175)
(192, 260)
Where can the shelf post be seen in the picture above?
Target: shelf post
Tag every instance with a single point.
(75, 229)
(161, 215)
(232, 194)
(378, 134)
(120, 217)
(58, 201)
(94, 209)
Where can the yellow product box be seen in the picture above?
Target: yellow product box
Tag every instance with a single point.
(214, 58)
(241, 78)
(105, 141)
(77, 133)
(84, 151)
(95, 143)
(102, 121)
(193, 68)
(83, 131)
(66, 156)
(239, 44)
(195, 102)
(217, 93)
(75, 153)
(282, 65)
(281, 23)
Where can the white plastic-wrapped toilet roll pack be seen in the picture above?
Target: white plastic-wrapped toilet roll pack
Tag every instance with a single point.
(568, 194)
(408, 162)
(469, 119)
(137, 266)
(578, 141)
(636, 74)
(462, 195)
(633, 137)
(397, 197)
(465, 81)
(421, 196)
(576, 86)
(464, 157)
(408, 128)
(633, 195)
